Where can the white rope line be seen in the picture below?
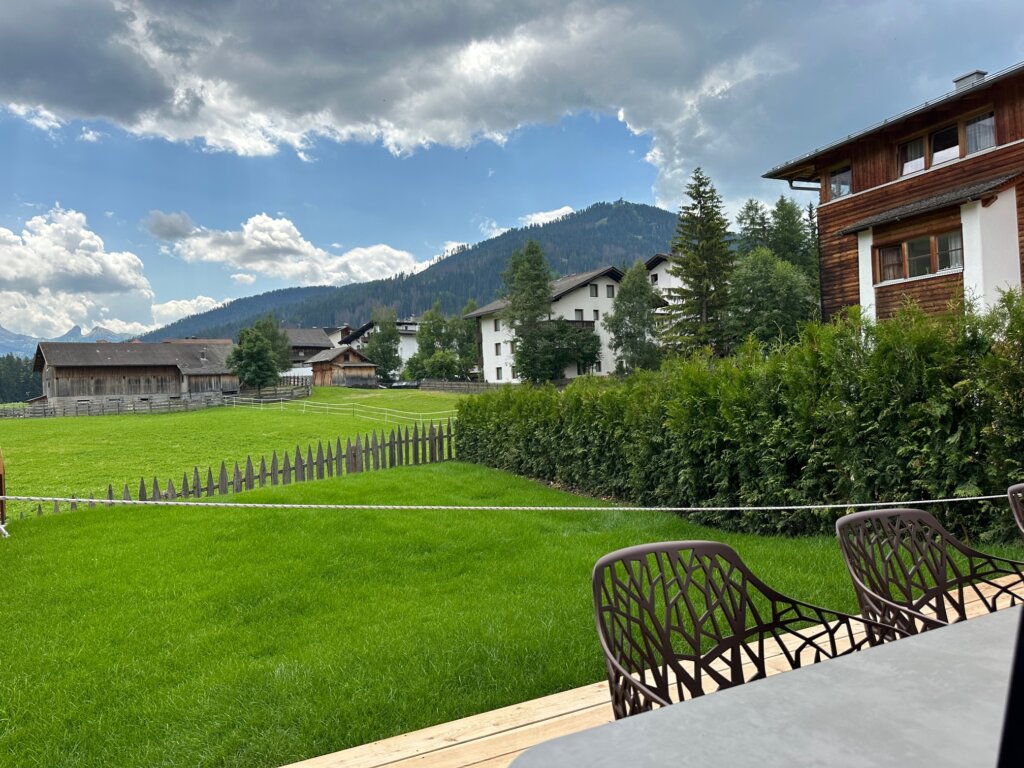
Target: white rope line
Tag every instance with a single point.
(215, 502)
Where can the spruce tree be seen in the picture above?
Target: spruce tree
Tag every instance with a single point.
(754, 227)
(789, 237)
(701, 260)
(528, 292)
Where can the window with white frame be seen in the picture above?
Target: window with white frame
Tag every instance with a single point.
(497, 348)
(610, 288)
(593, 290)
(497, 373)
(497, 324)
(919, 256)
(840, 182)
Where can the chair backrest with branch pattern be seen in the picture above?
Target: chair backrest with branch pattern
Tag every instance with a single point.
(1016, 495)
(910, 572)
(677, 620)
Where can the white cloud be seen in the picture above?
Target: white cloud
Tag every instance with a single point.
(274, 247)
(89, 135)
(169, 311)
(243, 278)
(39, 116)
(543, 217)
(489, 228)
(57, 273)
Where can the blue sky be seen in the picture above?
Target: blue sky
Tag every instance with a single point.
(159, 157)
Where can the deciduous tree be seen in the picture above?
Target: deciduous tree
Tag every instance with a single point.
(268, 327)
(382, 346)
(632, 322)
(253, 360)
(771, 299)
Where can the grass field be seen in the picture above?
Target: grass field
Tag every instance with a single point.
(81, 455)
(226, 637)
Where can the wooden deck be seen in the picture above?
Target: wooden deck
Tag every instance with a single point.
(494, 739)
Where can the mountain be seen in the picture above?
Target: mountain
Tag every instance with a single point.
(25, 346)
(605, 233)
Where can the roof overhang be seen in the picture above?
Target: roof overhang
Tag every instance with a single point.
(805, 167)
(965, 194)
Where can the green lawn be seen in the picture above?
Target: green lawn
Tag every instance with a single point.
(230, 637)
(81, 455)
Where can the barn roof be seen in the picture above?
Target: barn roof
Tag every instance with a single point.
(190, 358)
(330, 355)
(308, 337)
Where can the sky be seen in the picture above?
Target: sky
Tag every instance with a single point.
(160, 157)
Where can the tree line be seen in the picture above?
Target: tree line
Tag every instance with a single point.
(18, 382)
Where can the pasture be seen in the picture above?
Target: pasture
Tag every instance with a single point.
(218, 636)
(81, 455)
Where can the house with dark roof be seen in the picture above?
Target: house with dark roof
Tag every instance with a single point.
(583, 299)
(134, 371)
(927, 205)
(343, 366)
(307, 343)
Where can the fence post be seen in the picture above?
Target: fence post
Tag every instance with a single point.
(3, 491)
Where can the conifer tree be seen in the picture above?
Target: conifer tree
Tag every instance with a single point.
(788, 238)
(754, 227)
(701, 260)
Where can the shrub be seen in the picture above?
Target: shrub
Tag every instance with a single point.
(852, 411)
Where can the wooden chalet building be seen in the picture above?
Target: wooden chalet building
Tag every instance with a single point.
(343, 366)
(134, 372)
(307, 343)
(928, 204)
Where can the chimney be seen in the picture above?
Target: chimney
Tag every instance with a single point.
(202, 353)
(969, 79)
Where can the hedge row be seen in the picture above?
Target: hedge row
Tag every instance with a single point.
(914, 407)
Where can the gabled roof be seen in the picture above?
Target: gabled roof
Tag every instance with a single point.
(357, 333)
(308, 337)
(802, 168)
(330, 355)
(655, 260)
(958, 196)
(189, 358)
(559, 288)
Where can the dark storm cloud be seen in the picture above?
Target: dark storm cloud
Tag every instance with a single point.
(736, 87)
(70, 58)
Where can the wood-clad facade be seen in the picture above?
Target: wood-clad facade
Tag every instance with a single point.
(948, 176)
(343, 366)
(134, 372)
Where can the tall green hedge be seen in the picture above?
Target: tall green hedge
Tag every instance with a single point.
(913, 407)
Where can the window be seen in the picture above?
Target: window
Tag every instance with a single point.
(981, 133)
(950, 250)
(890, 262)
(654, 278)
(593, 289)
(497, 347)
(497, 373)
(920, 257)
(911, 156)
(513, 345)
(597, 366)
(840, 182)
(597, 315)
(513, 372)
(579, 314)
(611, 290)
(945, 145)
(497, 324)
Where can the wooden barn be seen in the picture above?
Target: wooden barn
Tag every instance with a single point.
(927, 205)
(134, 371)
(307, 343)
(343, 366)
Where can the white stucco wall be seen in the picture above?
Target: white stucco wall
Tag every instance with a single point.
(564, 307)
(865, 273)
(995, 230)
(666, 280)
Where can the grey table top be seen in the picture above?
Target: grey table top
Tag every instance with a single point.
(936, 699)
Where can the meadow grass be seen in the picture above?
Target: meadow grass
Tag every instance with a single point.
(233, 637)
(83, 454)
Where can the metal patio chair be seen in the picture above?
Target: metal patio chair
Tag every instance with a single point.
(910, 572)
(1016, 495)
(680, 619)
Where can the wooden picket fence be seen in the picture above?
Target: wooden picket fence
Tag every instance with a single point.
(370, 452)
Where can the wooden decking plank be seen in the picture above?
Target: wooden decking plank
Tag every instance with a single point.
(493, 739)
